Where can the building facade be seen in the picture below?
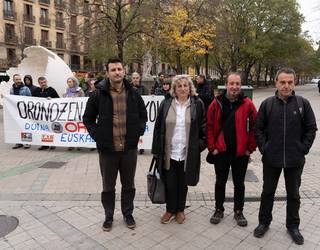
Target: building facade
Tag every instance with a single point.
(58, 25)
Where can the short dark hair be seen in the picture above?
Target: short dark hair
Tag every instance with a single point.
(237, 73)
(15, 75)
(112, 60)
(202, 76)
(161, 73)
(41, 78)
(286, 71)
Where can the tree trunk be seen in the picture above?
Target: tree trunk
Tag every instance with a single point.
(266, 75)
(258, 73)
(206, 61)
(178, 62)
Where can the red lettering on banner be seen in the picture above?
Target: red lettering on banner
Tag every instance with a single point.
(75, 127)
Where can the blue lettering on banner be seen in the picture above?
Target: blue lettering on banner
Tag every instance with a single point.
(75, 137)
(146, 129)
(36, 127)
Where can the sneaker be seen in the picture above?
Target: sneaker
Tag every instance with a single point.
(27, 146)
(180, 217)
(167, 218)
(43, 148)
(17, 146)
(296, 236)
(107, 225)
(260, 230)
(216, 217)
(241, 220)
(129, 220)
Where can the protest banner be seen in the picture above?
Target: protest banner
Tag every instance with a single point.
(58, 121)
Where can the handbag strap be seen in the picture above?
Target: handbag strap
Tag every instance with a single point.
(229, 116)
(153, 164)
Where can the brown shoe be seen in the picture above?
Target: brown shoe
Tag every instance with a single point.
(180, 217)
(167, 218)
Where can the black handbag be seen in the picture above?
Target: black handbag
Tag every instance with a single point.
(156, 187)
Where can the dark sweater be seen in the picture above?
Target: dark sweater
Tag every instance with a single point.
(48, 92)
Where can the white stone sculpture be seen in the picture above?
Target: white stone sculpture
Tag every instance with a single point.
(40, 61)
(147, 65)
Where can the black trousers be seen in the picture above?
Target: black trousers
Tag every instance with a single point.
(176, 188)
(292, 178)
(110, 164)
(239, 168)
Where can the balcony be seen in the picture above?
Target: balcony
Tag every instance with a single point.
(59, 5)
(60, 45)
(45, 21)
(46, 43)
(60, 24)
(30, 41)
(10, 39)
(9, 15)
(31, 1)
(74, 29)
(29, 19)
(44, 2)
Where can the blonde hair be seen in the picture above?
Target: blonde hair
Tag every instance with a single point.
(178, 79)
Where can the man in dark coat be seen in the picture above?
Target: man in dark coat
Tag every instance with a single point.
(285, 130)
(115, 117)
(29, 83)
(204, 91)
(136, 83)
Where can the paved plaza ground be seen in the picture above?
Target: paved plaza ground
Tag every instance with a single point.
(59, 208)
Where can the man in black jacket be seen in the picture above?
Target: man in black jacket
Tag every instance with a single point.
(204, 91)
(115, 117)
(285, 130)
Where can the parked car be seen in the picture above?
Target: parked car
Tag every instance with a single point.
(315, 80)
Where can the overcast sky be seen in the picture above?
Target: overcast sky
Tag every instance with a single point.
(311, 11)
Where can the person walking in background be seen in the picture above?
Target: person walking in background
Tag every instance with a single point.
(91, 87)
(45, 91)
(165, 90)
(231, 119)
(18, 88)
(158, 83)
(73, 90)
(29, 83)
(115, 117)
(136, 83)
(285, 130)
(204, 91)
(179, 137)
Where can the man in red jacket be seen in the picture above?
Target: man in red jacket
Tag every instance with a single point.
(231, 118)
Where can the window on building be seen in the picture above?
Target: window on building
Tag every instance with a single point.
(61, 56)
(11, 56)
(44, 35)
(8, 6)
(9, 31)
(28, 10)
(28, 31)
(44, 13)
(59, 40)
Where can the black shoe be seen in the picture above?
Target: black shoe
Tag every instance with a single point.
(43, 148)
(129, 220)
(216, 217)
(141, 151)
(17, 146)
(260, 230)
(296, 236)
(107, 225)
(52, 147)
(241, 220)
(27, 146)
